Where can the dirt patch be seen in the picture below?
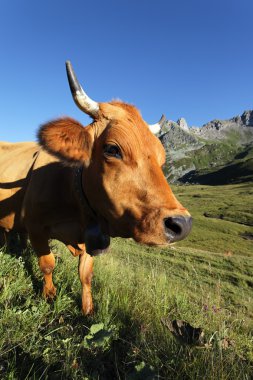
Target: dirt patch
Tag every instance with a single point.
(209, 215)
(247, 235)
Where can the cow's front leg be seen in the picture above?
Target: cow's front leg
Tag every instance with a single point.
(47, 264)
(46, 260)
(85, 274)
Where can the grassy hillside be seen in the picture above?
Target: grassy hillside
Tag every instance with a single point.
(223, 217)
(206, 280)
(220, 165)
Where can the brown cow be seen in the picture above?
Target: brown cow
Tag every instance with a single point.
(111, 184)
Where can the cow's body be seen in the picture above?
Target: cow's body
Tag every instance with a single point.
(38, 193)
(120, 189)
(41, 196)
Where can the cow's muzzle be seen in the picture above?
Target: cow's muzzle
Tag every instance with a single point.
(177, 227)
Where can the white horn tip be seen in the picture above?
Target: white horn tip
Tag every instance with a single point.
(156, 128)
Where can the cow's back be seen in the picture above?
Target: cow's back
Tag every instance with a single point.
(16, 160)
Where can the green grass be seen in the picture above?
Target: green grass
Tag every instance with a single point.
(206, 280)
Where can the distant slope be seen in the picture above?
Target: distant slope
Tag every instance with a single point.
(236, 171)
(220, 152)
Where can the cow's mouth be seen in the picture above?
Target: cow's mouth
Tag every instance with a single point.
(96, 242)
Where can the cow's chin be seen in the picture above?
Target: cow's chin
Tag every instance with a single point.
(152, 240)
(152, 237)
(96, 242)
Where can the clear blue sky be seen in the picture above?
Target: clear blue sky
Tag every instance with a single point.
(184, 58)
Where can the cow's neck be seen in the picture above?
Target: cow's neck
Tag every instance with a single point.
(96, 242)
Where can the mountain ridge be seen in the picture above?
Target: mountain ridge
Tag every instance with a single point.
(219, 152)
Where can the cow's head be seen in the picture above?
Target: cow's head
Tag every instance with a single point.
(122, 169)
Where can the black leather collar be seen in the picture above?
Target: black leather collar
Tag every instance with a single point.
(80, 192)
(96, 241)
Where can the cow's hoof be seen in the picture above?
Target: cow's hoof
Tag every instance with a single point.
(87, 308)
(49, 293)
(88, 312)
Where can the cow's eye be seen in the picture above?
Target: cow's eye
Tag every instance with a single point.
(112, 151)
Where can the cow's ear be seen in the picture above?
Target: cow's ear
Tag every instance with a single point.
(68, 140)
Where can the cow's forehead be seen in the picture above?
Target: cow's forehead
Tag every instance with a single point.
(117, 110)
(126, 122)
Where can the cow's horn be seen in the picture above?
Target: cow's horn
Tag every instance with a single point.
(81, 99)
(155, 128)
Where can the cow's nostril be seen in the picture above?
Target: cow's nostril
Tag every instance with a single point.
(177, 227)
(172, 225)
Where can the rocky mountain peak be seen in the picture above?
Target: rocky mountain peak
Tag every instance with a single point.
(183, 124)
(247, 118)
(219, 129)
